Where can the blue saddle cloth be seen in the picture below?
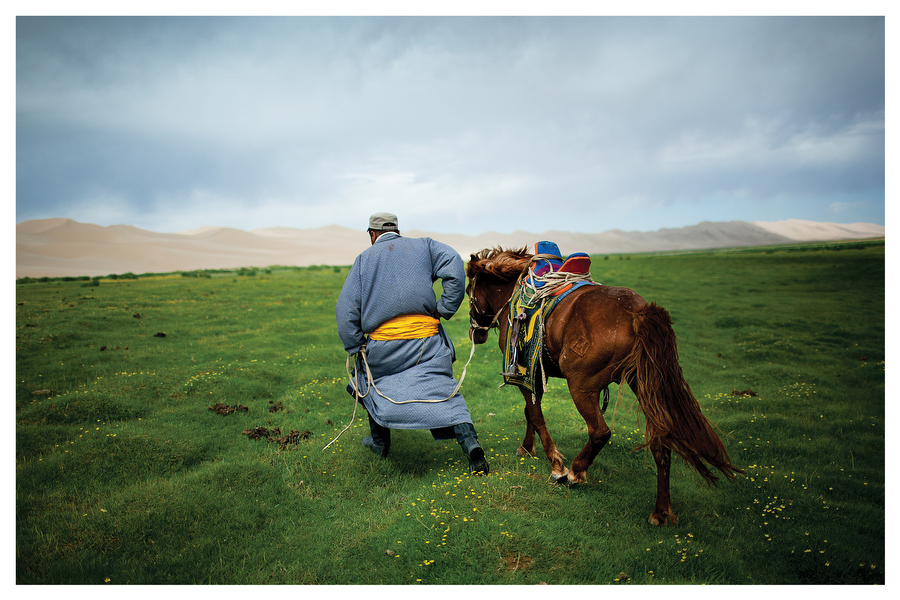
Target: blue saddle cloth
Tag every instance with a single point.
(522, 352)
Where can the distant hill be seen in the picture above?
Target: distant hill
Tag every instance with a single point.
(62, 247)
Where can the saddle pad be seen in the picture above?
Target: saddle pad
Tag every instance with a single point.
(525, 350)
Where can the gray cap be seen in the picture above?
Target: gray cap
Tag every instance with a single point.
(383, 222)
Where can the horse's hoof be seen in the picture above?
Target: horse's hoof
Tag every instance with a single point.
(561, 479)
(521, 451)
(661, 518)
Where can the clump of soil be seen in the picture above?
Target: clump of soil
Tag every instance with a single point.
(515, 562)
(276, 406)
(275, 436)
(224, 409)
(256, 433)
(747, 392)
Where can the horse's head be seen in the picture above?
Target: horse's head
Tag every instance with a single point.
(491, 275)
(480, 322)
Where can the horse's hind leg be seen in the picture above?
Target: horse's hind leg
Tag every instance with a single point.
(598, 433)
(534, 416)
(663, 509)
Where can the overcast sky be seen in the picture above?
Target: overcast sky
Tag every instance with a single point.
(461, 125)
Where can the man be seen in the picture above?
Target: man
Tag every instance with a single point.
(388, 309)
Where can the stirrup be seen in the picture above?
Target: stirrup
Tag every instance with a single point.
(512, 372)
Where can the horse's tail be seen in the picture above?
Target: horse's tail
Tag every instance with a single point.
(671, 410)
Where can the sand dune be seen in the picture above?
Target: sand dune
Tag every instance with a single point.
(62, 247)
(812, 231)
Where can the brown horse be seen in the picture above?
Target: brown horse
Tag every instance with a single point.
(595, 336)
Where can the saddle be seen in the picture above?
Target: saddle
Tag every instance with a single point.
(549, 279)
(578, 263)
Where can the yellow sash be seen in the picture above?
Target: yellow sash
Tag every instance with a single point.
(406, 327)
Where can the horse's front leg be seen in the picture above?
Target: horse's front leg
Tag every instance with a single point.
(527, 448)
(534, 417)
(663, 509)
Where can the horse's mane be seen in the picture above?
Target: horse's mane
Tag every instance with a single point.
(504, 264)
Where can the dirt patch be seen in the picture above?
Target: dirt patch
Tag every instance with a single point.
(276, 406)
(515, 562)
(224, 409)
(747, 392)
(274, 435)
(256, 433)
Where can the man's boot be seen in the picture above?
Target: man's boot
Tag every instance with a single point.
(468, 440)
(380, 440)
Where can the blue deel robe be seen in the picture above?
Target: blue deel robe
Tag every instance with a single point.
(394, 277)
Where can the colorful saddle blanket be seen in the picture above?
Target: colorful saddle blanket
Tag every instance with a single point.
(531, 304)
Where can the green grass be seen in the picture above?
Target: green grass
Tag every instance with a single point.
(124, 475)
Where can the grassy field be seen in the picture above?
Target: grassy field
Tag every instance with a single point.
(124, 474)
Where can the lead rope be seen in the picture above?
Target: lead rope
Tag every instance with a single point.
(356, 398)
(371, 384)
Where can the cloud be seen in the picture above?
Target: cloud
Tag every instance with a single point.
(459, 122)
(841, 208)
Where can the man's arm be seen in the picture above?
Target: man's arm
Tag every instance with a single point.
(348, 312)
(448, 267)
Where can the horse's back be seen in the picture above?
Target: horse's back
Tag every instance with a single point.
(605, 304)
(593, 328)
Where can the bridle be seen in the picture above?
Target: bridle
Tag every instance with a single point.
(473, 325)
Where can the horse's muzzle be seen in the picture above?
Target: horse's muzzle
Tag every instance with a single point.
(479, 336)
